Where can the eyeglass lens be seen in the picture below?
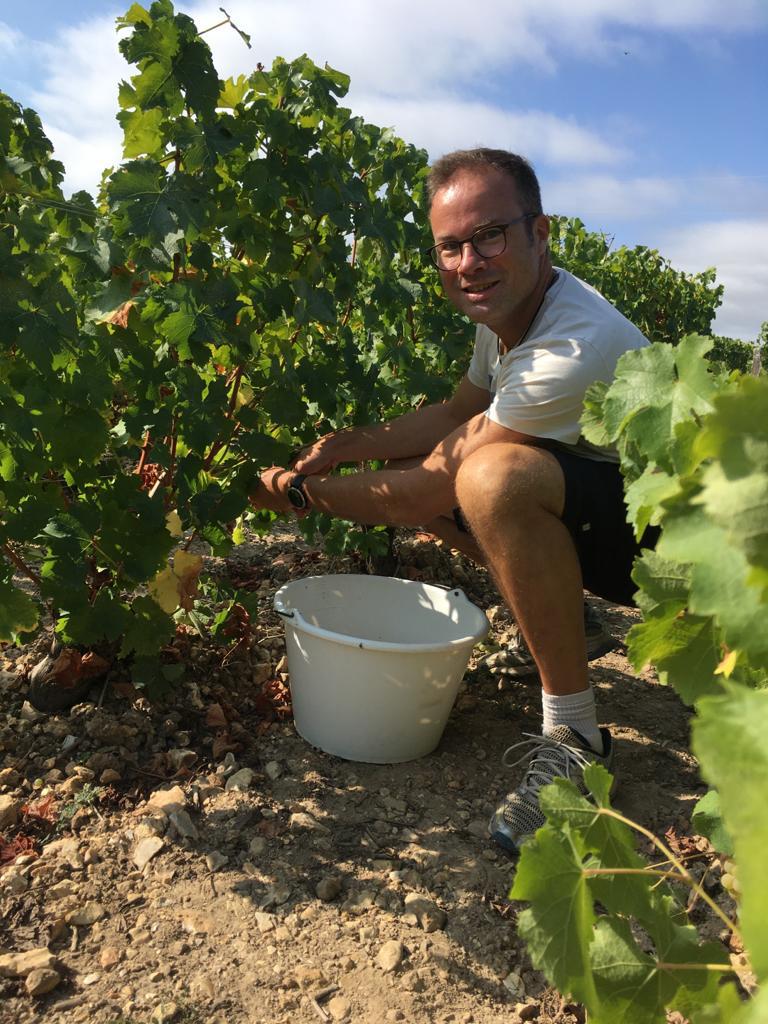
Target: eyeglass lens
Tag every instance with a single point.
(487, 242)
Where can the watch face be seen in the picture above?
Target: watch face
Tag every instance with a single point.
(297, 497)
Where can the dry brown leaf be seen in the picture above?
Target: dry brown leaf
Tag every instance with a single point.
(215, 717)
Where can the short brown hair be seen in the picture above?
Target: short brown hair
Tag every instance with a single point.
(517, 167)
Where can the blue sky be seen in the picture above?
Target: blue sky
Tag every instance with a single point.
(646, 118)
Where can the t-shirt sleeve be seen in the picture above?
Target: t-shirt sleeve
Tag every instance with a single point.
(540, 390)
(482, 357)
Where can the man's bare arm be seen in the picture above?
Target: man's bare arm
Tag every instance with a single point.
(395, 497)
(413, 434)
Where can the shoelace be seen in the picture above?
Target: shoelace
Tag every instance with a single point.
(550, 759)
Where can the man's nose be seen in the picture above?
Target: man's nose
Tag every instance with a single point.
(470, 257)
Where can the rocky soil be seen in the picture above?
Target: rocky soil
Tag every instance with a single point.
(194, 860)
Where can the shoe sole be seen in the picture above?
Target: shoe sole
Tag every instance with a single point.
(505, 844)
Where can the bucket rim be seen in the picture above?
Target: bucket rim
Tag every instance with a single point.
(294, 618)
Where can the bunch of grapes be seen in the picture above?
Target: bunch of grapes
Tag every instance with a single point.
(730, 880)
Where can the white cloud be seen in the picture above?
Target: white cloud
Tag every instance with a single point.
(9, 38)
(86, 155)
(398, 48)
(76, 79)
(737, 248)
(440, 125)
(601, 199)
(406, 47)
(81, 71)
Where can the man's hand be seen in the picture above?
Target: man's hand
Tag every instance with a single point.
(270, 491)
(320, 457)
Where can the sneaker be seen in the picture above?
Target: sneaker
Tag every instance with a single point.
(561, 755)
(517, 661)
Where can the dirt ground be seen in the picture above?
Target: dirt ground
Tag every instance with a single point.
(195, 860)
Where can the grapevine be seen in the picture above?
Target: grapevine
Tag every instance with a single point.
(694, 448)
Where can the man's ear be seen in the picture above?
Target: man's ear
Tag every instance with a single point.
(541, 232)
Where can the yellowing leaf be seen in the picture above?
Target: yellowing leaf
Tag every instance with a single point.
(119, 316)
(727, 665)
(187, 569)
(244, 395)
(238, 534)
(176, 586)
(173, 524)
(164, 590)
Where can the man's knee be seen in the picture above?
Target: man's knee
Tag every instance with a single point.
(498, 477)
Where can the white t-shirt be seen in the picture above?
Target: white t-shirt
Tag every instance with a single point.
(538, 387)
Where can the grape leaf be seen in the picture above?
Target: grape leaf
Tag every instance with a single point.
(176, 586)
(707, 819)
(684, 648)
(645, 495)
(148, 628)
(719, 579)
(661, 579)
(557, 927)
(633, 988)
(604, 836)
(18, 612)
(731, 1009)
(655, 389)
(729, 740)
(142, 132)
(735, 485)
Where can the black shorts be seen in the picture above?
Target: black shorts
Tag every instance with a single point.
(596, 517)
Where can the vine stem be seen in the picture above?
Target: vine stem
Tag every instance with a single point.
(594, 872)
(678, 864)
(166, 479)
(144, 453)
(226, 21)
(234, 379)
(21, 565)
(237, 377)
(722, 968)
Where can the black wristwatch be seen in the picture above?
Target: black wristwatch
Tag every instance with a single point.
(296, 494)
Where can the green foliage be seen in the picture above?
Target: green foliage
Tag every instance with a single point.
(729, 739)
(733, 354)
(707, 820)
(693, 443)
(663, 302)
(608, 928)
(87, 797)
(249, 277)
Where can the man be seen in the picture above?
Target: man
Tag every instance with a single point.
(544, 508)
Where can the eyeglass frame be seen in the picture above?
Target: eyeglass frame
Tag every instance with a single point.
(461, 242)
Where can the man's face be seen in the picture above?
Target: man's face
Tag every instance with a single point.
(493, 290)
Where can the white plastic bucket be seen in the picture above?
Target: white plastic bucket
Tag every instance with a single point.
(375, 663)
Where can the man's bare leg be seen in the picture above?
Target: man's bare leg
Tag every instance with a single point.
(446, 530)
(512, 497)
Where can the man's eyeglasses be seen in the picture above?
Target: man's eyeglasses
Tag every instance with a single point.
(487, 243)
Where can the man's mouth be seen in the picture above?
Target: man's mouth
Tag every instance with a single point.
(478, 290)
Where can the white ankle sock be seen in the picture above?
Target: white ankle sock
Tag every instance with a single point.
(576, 710)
